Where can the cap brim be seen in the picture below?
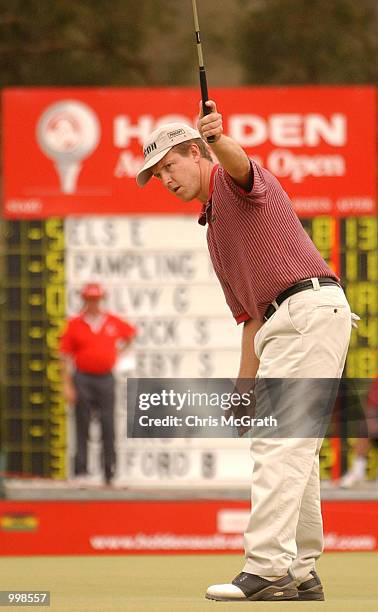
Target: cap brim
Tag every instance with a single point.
(145, 173)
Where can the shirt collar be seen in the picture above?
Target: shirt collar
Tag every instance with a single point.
(83, 314)
(202, 216)
(95, 323)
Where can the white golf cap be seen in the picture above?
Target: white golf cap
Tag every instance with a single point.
(159, 142)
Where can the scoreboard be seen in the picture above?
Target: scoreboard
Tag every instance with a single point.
(33, 421)
(157, 274)
(359, 270)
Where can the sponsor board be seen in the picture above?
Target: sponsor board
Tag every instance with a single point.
(164, 527)
(77, 150)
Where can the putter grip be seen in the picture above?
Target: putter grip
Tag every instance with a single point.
(205, 96)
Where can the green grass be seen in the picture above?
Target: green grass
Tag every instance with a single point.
(177, 582)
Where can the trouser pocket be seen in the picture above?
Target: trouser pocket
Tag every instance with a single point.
(297, 312)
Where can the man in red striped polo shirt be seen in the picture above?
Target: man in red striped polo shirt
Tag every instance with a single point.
(297, 324)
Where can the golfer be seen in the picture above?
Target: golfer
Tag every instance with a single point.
(296, 324)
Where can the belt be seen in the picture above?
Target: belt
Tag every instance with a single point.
(297, 288)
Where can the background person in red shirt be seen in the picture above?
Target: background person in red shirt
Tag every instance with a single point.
(89, 347)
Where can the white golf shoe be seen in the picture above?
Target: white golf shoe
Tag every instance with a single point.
(250, 587)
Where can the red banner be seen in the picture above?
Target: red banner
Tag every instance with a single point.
(76, 151)
(124, 527)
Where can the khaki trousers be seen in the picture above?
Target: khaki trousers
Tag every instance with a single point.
(307, 337)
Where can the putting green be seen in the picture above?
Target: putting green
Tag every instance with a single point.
(177, 582)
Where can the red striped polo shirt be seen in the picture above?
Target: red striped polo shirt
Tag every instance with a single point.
(257, 244)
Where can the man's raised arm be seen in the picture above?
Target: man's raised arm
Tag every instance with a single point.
(229, 153)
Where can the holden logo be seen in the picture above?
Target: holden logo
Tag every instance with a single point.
(67, 133)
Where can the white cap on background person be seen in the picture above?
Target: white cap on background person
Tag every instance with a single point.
(159, 142)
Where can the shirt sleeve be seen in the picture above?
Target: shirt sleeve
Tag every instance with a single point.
(125, 330)
(66, 341)
(256, 196)
(238, 311)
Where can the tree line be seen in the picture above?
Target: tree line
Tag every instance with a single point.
(151, 42)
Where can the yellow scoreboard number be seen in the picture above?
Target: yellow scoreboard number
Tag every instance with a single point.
(33, 421)
(359, 269)
(350, 247)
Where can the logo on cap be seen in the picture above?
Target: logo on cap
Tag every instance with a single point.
(151, 147)
(175, 133)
